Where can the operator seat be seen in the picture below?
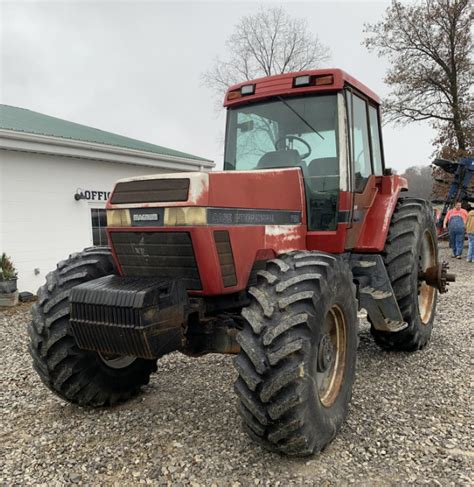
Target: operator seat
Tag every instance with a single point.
(280, 159)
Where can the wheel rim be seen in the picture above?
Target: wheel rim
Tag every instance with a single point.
(426, 294)
(331, 358)
(116, 361)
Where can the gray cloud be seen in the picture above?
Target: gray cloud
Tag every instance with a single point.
(134, 68)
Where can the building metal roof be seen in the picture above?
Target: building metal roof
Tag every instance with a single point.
(30, 122)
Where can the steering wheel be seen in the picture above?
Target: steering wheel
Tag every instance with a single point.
(290, 139)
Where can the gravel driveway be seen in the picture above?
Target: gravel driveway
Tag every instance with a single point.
(410, 421)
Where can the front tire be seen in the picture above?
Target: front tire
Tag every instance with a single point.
(79, 376)
(298, 351)
(411, 247)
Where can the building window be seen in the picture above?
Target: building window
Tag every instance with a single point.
(99, 224)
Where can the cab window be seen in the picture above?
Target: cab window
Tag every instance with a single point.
(360, 146)
(291, 132)
(375, 140)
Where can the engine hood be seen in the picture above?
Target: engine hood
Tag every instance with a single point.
(275, 189)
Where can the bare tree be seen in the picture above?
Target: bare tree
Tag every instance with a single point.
(419, 181)
(429, 46)
(268, 42)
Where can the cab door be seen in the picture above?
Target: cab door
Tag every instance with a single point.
(365, 158)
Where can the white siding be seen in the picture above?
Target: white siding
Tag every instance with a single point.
(40, 221)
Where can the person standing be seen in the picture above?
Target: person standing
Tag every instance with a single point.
(470, 236)
(456, 222)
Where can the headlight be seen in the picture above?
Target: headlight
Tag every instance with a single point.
(118, 218)
(190, 215)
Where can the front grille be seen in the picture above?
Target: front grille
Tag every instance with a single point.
(165, 255)
(151, 191)
(226, 259)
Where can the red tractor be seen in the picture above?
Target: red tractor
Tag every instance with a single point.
(269, 259)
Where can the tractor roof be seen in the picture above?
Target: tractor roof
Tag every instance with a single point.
(284, 85)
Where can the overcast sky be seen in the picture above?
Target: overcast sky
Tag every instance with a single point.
(134, 68)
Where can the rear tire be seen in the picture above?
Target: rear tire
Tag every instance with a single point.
(411, 246)
(292, 397)
(79, 376)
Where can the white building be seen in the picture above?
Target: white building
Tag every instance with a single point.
(46, 165)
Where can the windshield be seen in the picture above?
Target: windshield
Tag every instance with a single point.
(291, 132)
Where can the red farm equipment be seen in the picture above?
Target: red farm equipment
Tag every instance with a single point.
(269, 259)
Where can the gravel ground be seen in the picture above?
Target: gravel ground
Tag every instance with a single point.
(410, 419)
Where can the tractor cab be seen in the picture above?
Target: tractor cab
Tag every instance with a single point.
(317, 121)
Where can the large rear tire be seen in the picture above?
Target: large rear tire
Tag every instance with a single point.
(411, 247)
(79, 376)
(298, 351)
